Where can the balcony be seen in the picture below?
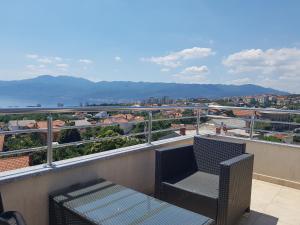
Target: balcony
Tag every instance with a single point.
(276, 183)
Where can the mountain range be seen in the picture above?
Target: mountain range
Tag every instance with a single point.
(49, 90)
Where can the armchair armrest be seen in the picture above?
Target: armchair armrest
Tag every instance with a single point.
(172, 163)
(235, 188)
(11, 218)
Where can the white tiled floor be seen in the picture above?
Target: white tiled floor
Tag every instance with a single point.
(273, 205)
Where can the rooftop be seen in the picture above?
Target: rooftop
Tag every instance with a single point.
(56, 124)
(12, 163)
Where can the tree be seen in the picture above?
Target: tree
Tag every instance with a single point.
(262, 125)
(271, 138)
(69, 135)
(96, 131)
(21, 141)
(187, 113)
(37, 117)
(85, 149)
(296, 119)
(229, 113)
(27, 141)
(115, 143)
(160, 125)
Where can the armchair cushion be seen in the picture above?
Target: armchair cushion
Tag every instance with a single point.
(201, 183)
(191, 200)
(197, 192)
(173, 163)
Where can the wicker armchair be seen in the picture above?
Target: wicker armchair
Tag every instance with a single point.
(211, 177)
(10, 217)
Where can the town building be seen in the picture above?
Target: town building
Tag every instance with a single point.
(101, 115)
(21, 124)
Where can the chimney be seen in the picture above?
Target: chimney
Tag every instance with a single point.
(182, 131)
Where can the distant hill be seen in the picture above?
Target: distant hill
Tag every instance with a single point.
(49, 90)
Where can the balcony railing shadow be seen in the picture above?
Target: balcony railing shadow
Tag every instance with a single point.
(258, 218)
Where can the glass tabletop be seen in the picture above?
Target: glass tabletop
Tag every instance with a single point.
(109, 204)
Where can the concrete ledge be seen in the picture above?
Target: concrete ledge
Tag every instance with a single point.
(224, 137)
(276, 180)
(276, 163)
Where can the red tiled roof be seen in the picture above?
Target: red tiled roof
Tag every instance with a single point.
(56, 124)
(13, 163)
(115, 120)
(187, 126)
(139, 118)
(128, 117)
(280, 136)
(242, 113)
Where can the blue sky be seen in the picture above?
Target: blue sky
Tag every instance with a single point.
(192, 41)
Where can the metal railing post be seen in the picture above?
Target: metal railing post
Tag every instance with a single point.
(49, 141)
(252, 122)
(149, 127)
(198, 121)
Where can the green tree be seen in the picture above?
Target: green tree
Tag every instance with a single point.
(96, 131)
(117, 142)
(270, 138)
(69, 135)
(187, 113)
(296, 119)
(37, 117)
(262, 126)
(85, 149)
(22, 141)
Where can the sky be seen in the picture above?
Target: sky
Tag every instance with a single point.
(190, 41)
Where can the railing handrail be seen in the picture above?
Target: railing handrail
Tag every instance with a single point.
(32, 110)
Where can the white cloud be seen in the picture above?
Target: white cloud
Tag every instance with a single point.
(195, 70)
(167, 61)
(278, 68)
(33, 67)
(195, 52)
(45, 60)
(193, 74)
(175, 59)
(244, 80)
(190, 79)
(58, 58)
(30, 67)
(85, 61)
(118, 59)
(62, 65)
(165, 70)
(53, 65)
(284, 61)
(32, 56)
